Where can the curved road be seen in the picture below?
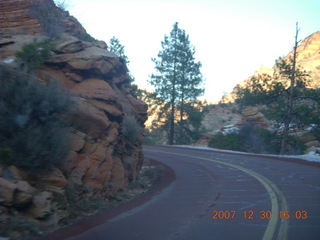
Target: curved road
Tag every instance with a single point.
(219, 195)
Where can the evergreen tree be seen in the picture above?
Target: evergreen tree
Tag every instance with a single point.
(117, 48)
(178, 80)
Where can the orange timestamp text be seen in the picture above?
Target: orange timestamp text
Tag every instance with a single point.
(258, 215)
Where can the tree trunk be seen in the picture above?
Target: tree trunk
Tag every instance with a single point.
(288, 116)
(171, 130)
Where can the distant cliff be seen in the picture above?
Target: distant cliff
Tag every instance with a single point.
(308, 58)
(227, 116)
(103, 159)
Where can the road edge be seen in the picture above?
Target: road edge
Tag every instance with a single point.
(278, 158)
(166, 177)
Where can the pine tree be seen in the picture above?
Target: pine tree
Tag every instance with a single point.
(117, 48)
(178, 80)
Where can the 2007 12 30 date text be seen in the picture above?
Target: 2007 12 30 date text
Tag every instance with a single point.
(258, 215)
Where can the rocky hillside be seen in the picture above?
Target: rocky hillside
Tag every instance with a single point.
(308, 58)
(227, 115)
(102, 159)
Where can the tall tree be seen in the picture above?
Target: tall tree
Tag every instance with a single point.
(178, 79)
(291, 72)
(290, 103)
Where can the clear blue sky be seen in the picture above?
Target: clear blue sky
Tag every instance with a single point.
(232, 38)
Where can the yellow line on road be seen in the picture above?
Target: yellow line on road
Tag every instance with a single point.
(272, 189)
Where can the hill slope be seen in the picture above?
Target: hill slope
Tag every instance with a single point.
(308, 58)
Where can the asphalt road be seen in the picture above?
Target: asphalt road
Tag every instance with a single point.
(222, 196)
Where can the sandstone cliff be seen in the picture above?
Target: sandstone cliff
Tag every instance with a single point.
(17, 17)
(102, 160)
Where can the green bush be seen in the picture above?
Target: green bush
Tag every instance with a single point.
(255, 139)
(32, 133)
(34, 54)
(229, 141)
(130, 128)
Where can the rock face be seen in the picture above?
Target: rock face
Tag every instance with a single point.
(17, 18)
(224, 118)
(220, 116)
(102, 159)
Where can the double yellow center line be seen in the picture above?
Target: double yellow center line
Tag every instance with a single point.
(273, 191)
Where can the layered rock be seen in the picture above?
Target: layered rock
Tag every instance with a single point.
(17, 18)
(101, 159)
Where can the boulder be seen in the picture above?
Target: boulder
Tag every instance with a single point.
(78, 168)
(96, 60)
(113, 111)
(77, 140)
(24, 193)
(54, 178)
(314, 143)
(70, 46)
(253, 114)
(306, 137)
(91, 120)
(7, 191)
(97, 89)
(100, 44)
(14, 173)
(41, 205)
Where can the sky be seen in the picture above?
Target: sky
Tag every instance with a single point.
(232, 38)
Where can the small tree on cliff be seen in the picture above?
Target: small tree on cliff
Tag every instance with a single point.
(178, 80)
(290, 103)
(117, 48)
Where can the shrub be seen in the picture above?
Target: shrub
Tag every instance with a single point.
(32, 134)
(255, 139)
(62, 4)
(79, 203)
(20, 224)
(34, 54)
(229, 141)
(130, 128)
(49, 17)
(296, 146)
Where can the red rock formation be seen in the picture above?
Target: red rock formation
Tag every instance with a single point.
(16, 18)
(101, 158)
